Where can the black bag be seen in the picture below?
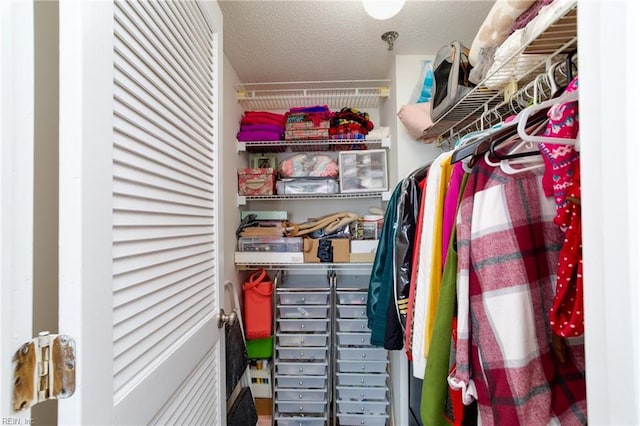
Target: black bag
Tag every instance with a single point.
(243, 412)
(236, 356)
(451, 70)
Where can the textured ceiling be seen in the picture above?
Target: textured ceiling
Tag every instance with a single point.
(323, 40)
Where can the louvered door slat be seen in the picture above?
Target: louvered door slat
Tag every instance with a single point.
(150, 50)
(164, 158)
(176, 46)
(138, 140)
(132, 173)
(157, 336)
(159, 33)
(149, 260)
(132, 280)
(135, 248)
(135, 79)
(178, 36)
(147, 295)
(132, 203)
(144, 190)
(134, 218)
(157, 232)
(162, 171)
(195, 20)
(151, 314)
(173, 412)
(137, 358)
(144, 132)
(151, 111)
(167, 167)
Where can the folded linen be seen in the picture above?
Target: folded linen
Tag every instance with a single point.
(259, 135)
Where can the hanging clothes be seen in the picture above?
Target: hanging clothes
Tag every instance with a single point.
(381, 280)
(451, 207)
(562, 181)
(408, 338)
(429, 272)
(408, 211)
(508, 249)
(434, 386)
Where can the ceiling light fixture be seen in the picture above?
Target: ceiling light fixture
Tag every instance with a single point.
(390, 37)
(383, 9)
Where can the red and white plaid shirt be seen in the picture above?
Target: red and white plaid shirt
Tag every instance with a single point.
(508, 251)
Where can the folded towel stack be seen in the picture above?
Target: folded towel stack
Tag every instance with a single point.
(261, 126)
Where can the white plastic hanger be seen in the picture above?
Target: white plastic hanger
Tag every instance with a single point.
(524, 116)
(533, 162)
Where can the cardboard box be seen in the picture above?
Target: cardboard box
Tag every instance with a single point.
(256, 181)
(362, 257)
(332, 250)
(264, 407)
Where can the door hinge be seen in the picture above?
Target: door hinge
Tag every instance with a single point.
(44, 368)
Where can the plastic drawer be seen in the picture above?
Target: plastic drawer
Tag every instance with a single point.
(354, 379)
(363, 354)
(352, 325)
(354, 339)
(301, 368)
(353, 281)
(303, 311)
(300, 394)
(359, 419)
(304, 281)
(362, 366)
(306, 420)
(352, 311)
(305, 353)
(302, 340)
(298, 325)
(301, 406)
(352, 298)
(302, 298)
(308, 382)
(362, 393)
(362, 407)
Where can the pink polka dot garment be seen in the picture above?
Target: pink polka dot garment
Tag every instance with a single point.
(566, 316)
(562, 181)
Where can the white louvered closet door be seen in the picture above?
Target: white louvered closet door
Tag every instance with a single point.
(139, 282)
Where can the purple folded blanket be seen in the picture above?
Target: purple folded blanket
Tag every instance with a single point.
(260, 127)
(259, 135)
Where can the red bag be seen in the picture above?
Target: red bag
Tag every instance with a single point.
(258, 307)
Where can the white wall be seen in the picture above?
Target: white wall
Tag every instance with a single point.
(230, 163)
(610, 181)
(406, 155)
(410, 153)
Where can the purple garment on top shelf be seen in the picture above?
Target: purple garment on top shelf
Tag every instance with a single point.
(316, 108)
(260, 135)
(260, 127)
(528, 15)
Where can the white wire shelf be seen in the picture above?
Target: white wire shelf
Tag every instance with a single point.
(335, 94)
(243, 199)
(522, 67)
(348, 266)
(312, 145)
